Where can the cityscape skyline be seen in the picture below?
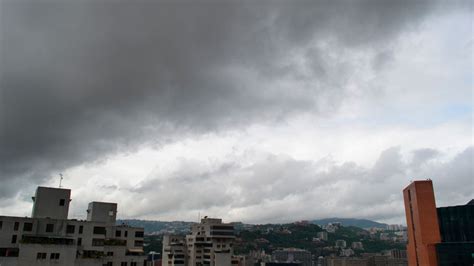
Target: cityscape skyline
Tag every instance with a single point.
(434, 236)
(260, 113)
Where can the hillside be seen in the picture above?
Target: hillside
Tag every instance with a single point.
(361, 223)
(270, 237)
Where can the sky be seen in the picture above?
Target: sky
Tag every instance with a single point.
(253, 111)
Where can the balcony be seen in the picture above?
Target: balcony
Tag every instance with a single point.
(44, 240)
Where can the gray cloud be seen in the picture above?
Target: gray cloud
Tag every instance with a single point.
(280, 189)
(421, 156)
(82, 80)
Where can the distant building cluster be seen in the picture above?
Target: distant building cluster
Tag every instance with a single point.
(332, 227)
(292, 255)
(48, 237)
(367, 259)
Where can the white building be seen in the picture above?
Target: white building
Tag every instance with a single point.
(347, 252)
(357, 245)
(210, 243)
(174, 250)
(332, 227)
(395, 227)
(49, 238)
(340, 243)
(323, 235)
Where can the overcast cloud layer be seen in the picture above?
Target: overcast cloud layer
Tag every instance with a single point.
(254, 111)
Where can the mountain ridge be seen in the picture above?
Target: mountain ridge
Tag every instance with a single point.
(361, 223)
(156, 226)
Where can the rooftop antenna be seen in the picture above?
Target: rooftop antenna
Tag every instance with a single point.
(60, 179)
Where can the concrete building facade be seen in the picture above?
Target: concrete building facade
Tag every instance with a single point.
(174, 250)
(49, 238)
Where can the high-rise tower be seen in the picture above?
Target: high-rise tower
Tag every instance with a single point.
(422, 223)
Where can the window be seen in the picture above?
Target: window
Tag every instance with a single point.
(1, 225)
(124, 263)
(54, 256)
(126, 233)
(80, 229)
(70, 229)
(133, 264)
(79, 241)
(110, 254)
(49, 228)
(109, 263)
(40, 256)
(97, 242)
(62, 202)
(99, 230)
(14, 238)
(16, 226)
(139, 234)
(28, 227)
(138, 243)
(118, 233)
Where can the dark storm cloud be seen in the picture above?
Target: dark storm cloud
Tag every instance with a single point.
(80, 80)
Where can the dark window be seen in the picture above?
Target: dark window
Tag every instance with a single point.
(62, 202)
(110, 254)
(79, 241)
(139, 234)
(118, 233)
(54, 256)
(70, 229)
(49, 228)
(109, 263)
(28, 227)
(124, 263)
(126, 233)
(99, 230)
(14, 237)
(97, 242)
(40, 256)
(16, 226)
(1, 225)
(80, 229)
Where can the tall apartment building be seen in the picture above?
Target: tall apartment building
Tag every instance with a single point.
(48, 237)
(437, 236)
(174, 250)
(210, 243)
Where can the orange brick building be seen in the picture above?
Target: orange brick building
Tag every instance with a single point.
(422, 223)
